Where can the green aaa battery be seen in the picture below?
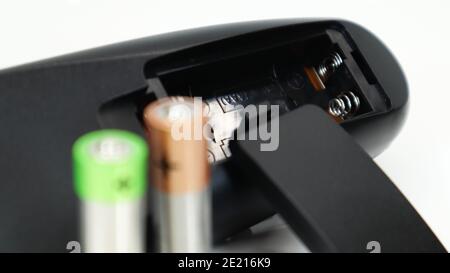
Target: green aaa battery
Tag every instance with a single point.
(110, 176)
(110, 166)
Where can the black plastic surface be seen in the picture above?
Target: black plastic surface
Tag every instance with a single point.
(330, 191)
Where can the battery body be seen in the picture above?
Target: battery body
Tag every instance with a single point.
(110, 175)
(182, 222)
(179, 176)
(112, 229)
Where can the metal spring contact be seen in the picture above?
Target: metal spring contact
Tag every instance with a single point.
(329, 66)
(344, 105)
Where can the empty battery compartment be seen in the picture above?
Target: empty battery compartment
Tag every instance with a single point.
(283, 68)
(314, 68)
(309, 70)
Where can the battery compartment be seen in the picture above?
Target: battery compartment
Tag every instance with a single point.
(262, 68)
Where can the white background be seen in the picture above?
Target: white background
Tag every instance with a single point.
(417, 32)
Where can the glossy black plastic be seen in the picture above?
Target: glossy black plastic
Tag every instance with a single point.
(334, 196)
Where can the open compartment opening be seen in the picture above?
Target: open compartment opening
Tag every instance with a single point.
(271, 68)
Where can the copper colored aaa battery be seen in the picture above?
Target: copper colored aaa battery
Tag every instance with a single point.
(179, 174)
